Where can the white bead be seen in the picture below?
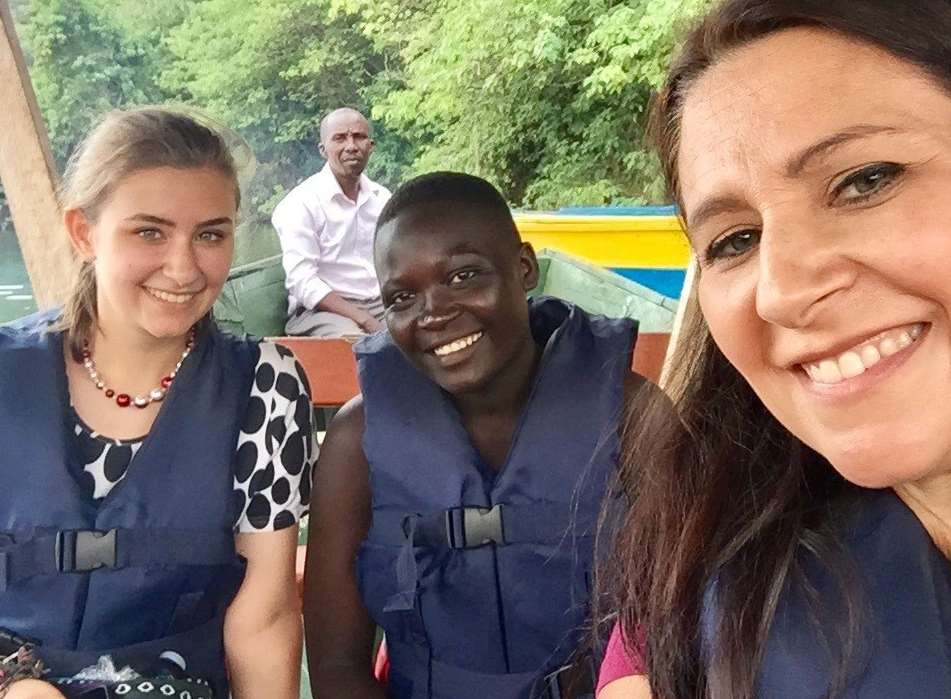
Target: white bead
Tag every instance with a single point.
(140, 401)
(157, 394)
(100, 385)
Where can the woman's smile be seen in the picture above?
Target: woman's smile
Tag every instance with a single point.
(863, 366)
(177, 298)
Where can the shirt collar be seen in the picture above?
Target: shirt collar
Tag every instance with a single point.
(330, 188)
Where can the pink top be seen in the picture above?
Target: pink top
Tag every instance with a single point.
(617, 661)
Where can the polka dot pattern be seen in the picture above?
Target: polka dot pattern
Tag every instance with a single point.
(104, 460)
(275, 453)
(276, 448)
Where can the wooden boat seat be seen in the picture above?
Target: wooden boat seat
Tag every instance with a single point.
(332, 370)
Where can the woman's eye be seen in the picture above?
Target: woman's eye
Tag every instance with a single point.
(866, 183)
(732, 245)
(211, 236)
(149, 233)
(463, 276)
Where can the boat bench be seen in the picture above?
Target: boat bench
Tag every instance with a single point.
(332, 369)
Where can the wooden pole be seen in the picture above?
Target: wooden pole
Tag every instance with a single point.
(688, 307)
(29, 175)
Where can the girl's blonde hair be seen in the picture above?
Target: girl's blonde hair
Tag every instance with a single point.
(124, 142)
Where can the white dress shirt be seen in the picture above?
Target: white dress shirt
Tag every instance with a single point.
(327, 239)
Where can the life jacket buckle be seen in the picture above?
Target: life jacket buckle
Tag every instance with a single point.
(471, 527)
(83, 550)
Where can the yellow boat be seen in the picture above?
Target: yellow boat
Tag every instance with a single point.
(644, 244)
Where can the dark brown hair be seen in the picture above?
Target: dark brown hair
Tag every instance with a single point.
(124, 142)
(724, 500)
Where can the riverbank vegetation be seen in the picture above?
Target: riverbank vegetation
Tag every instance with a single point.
(546, 98)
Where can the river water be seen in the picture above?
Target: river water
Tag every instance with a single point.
(16, 297)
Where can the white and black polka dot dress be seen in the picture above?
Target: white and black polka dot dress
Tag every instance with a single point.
(276, 449)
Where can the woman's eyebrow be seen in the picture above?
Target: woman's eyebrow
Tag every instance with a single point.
(149, 218)
(215, 221)
(713, 207)
(798, 163)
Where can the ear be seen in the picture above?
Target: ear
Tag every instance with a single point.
(528, 266)
(80, 233)
(321, 150)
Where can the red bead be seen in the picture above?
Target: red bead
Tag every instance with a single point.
(166, 381)
(110, 393)
(123, 400)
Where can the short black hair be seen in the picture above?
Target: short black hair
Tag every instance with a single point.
(452, 188)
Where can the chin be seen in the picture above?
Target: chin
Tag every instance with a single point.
(461, 384)
(169, 328)
(458, 387)
(883, 468)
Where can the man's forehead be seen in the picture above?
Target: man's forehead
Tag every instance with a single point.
(345, 123)
(350, 127)
(457, 227)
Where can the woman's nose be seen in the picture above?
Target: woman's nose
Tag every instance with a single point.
(800, 267)
(181, 265)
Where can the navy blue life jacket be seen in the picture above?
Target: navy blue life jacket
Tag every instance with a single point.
(153, 567)
(481, 580)
(901, 586)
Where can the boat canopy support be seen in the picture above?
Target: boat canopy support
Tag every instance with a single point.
(28, 174)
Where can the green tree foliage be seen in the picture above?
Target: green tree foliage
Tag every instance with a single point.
(82, 64)
(546, 98)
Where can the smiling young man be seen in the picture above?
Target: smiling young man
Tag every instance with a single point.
(325, 226)
(467, 478)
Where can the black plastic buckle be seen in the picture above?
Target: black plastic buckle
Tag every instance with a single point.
(471, 527)
(82, 550)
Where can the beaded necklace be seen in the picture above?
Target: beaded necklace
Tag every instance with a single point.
(124, 400)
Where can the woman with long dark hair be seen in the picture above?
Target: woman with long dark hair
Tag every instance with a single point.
(789, 536)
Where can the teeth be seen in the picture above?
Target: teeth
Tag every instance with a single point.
(858, 360)
(457, 345)
(850, 364)
(829, 371)
(870, 356)
(171, 298)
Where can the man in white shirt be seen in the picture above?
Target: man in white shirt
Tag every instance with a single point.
(326, 225)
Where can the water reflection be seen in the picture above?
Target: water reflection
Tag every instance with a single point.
(16, 296)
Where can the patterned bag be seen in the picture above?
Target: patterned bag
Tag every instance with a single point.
(153, 688)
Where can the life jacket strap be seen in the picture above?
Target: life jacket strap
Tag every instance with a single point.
(474, 526)
(467, 527)
(86, 550)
